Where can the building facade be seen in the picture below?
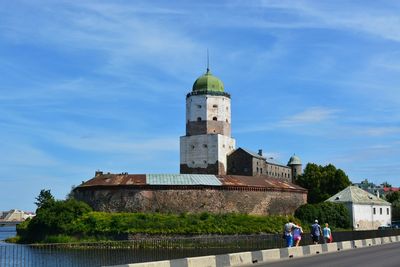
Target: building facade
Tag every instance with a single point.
(366, 210)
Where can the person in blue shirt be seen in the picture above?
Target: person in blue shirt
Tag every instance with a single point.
(315, 232)
(327, 234)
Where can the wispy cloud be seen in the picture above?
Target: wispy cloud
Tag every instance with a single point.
(312, 115)
(369, 18)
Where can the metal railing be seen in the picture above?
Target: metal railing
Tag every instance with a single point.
(151, 249)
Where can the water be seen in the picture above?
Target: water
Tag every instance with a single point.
(112, 253)
(7, 231)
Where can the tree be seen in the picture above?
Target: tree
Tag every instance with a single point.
(45, 198)
(71, 193)
(393, 196)
(58, 218)
(336, 214)
(386, 184)
(322, 182)
(396, 210)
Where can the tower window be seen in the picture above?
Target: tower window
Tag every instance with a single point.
(192, 146)
(198, 118)
(199, 106)
(215, 106)
(205, 145)
(227, 121)
(214, 118)
(205, 161)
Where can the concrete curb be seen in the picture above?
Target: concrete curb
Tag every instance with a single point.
(248, 258)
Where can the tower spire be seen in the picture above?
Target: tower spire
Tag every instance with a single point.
(208, 61)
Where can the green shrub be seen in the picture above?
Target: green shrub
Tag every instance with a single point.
(335, 214)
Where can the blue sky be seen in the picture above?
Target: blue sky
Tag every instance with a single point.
(101, 85)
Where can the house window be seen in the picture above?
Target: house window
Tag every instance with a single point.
(205, 145)
(374, 211)
(261, 170)
(380, 211)
(257, 169)
(192, 146)
(387, 210)
(214, 118)
(199, 106)
(215, 106)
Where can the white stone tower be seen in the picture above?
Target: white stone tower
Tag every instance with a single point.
(208, 141)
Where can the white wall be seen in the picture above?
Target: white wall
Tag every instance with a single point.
(207, 107)
(365, 219)
(201, 150)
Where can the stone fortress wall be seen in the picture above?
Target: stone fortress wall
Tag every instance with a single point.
(192, 199)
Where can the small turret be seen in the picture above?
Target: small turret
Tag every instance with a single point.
(296, 166)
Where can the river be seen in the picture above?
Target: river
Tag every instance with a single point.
(94, 254)
(6, 232)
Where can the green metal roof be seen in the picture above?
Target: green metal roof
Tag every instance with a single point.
(208, 83)
(356, 195)
(182, 179)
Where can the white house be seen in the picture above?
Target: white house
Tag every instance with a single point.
(366, 210)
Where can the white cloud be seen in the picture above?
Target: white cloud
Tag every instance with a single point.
(372, 19)
(312, 115)
(381, 131)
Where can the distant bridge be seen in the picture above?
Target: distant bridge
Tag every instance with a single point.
(9, 223)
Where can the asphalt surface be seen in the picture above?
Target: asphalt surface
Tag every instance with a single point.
(387, 255)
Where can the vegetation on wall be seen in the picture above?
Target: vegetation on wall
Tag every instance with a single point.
(322, 182)
(335, 214)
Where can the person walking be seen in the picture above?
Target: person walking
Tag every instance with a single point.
(288, 232)
(297, 232)
(327, 234)
(315, 232)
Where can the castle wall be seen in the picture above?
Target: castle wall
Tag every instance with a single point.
(195, 199)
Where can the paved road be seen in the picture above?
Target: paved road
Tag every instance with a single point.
(387, 255)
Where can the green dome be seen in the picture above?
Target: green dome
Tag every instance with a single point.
(207, 83)
(294, 160)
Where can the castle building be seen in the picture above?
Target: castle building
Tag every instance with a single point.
(208, 148)
(208, 140)
(214, 176)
